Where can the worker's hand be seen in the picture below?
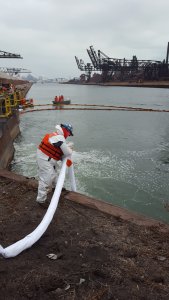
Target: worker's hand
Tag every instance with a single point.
(70, 145)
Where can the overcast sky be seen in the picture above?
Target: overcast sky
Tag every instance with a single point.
(49, 33)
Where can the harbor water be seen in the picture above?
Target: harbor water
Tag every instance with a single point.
(121, 157)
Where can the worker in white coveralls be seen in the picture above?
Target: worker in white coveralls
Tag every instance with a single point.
(53, 148)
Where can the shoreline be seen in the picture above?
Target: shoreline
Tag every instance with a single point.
(93, 203)
(146, 84)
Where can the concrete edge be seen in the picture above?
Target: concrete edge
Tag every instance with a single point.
(116, 211)
(33, 183)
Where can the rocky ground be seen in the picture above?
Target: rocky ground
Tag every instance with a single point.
(99, 256)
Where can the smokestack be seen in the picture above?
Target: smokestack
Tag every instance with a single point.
(167, 54)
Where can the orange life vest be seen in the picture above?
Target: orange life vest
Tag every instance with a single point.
(49, 149)
(56, 99)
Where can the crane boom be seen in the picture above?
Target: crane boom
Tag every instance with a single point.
(4, 54)
(15, 71)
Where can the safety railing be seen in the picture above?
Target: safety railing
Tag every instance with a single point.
(5, 107)
(8, 102)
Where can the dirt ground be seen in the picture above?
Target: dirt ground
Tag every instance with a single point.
(99, 256)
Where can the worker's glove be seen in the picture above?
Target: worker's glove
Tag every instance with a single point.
(70, 145)
(69, 162)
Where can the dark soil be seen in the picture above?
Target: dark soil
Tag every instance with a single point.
(99, 256)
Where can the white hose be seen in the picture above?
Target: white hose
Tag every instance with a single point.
(72, 178)
(33, 237)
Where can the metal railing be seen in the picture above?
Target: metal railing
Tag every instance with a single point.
(9, 102)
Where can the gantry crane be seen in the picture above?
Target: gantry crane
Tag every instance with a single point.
(124, 69)
(4, 54)
(12, 71)
(88, 68)
(15, 71)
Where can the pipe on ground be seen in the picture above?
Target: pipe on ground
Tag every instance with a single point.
(25, 243)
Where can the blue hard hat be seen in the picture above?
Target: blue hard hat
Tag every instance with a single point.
(68, 127)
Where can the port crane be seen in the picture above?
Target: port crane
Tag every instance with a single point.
(4, 54)
(122, 68)
(87, 68)
(14, 71)
(11, 71)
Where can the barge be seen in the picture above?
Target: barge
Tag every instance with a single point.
(9, 120)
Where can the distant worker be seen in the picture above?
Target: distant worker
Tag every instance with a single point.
(23, 101)
(11, 89)
(51, 150)
(61, 98)
(56, 99)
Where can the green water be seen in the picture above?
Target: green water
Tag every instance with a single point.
(120, 156)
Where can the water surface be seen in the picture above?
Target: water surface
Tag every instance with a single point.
(120, 156)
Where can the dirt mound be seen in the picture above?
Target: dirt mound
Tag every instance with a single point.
(98, 256)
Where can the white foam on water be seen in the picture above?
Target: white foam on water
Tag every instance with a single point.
(107, 176)
(95, 164)
(24, 162)
(124, 167)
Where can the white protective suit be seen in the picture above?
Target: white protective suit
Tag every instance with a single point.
(47, 169)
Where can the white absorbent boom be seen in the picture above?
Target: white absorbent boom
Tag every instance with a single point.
(34, 236)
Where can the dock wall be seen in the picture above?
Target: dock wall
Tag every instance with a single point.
(9, 130)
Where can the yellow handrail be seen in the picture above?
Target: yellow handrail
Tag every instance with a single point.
(8, 106)
(13, 99)
(7, 102)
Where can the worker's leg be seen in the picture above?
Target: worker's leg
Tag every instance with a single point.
(55, 174)
(46, 175)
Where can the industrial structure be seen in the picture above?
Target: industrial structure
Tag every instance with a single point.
(12, 71)
(10, 96)
(4, 54)
(12, 93)
(117, 69)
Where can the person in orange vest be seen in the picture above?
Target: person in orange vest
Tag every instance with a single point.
(23, 101)
(61, 98)
(56, 99)
(52, 149)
